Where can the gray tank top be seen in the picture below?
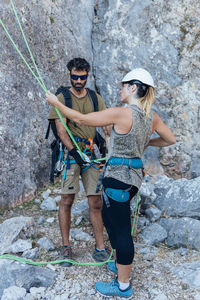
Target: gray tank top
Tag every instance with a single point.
(130, 145)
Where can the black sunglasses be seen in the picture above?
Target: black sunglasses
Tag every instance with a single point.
(76, 77)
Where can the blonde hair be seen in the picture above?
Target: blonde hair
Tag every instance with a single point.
(147, 100)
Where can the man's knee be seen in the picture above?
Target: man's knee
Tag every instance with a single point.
(67, 200)
(95, 202)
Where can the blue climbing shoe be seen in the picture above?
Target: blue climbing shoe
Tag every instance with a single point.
(111, 289)
(112, 267)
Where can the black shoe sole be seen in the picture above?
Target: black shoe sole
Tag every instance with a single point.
(65, 264)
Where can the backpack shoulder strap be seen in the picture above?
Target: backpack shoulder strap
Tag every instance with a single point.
(68, 102)
(48, 130)
(64, 90)
(51, 126)
(68, 99)
(94, 99)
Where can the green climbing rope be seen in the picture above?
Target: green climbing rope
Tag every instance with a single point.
(41, 263)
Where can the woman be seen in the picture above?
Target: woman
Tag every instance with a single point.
(133, 126)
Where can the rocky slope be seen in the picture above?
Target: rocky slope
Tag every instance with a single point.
(159, 272)
(114, 36)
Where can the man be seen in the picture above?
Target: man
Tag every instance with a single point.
(78, 73)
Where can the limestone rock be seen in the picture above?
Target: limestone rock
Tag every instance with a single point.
(13, 229)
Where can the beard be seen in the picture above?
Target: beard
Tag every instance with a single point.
(78, 86)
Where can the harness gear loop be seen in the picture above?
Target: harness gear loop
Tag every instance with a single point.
(90, 148)
(60, 163)
(101, 167)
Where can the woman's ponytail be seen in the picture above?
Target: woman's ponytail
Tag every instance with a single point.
(147, 100)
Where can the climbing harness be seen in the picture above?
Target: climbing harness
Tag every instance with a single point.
(88, 154)
(118, 195)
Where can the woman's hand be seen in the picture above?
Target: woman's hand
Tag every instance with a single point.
(51, 98)
(166, 137)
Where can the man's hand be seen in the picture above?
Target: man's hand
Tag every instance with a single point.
(77, 156)
(107, 130)
(51, 98)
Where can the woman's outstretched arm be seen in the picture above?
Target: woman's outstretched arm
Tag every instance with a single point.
(101, 118)
(166, 136)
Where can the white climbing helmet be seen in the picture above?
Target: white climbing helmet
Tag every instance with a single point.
(141, 75)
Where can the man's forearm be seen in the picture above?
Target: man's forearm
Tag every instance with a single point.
(66, 141)
(63, 135)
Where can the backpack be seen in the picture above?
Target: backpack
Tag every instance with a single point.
(57, 146)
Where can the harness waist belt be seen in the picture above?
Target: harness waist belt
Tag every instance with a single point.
(135, 163)
(79, 139)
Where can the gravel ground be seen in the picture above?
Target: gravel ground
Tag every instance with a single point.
(152, 277)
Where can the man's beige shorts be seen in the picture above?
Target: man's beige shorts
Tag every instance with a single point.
(89, 178)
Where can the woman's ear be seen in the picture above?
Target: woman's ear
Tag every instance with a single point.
(133, 88)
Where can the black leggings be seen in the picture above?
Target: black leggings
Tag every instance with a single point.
(117, 220)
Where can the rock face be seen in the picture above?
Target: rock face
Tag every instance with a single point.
(56, 32)
(178, 198)
(163, 37)
(114, 36)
